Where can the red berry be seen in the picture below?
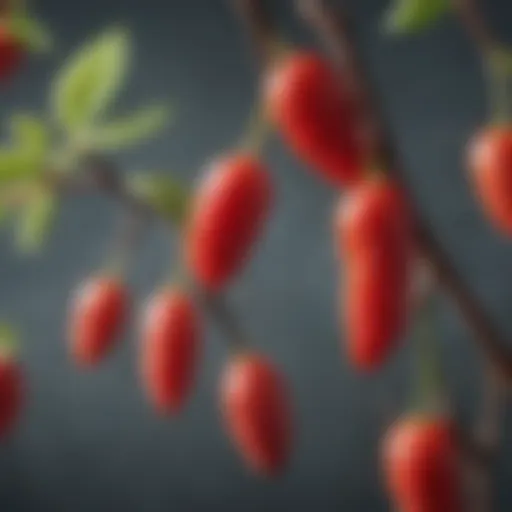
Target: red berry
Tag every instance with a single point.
(490, 162)
(11, 393)
(374, 236)
(256, 410)
(171, 338)
(375, 312)
(98, 313)
(11, 53)
(420, 465)
(306, 101)
(227, 215)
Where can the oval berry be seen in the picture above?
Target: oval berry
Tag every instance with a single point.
(373, 231)
(420, 465)
(373, 216)
(306, 102)
(170, 348)
(375, 310)
(490, 163)
(227, 215)
(257, 413)
(11, 393)
(98, 313)
(11, 52)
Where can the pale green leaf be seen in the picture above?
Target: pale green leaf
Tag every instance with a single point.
(4, 213)
(409, 16)
(35, 222)
(30, 32)
(29, 133)
(131, 129)
(9, 340)
(165, 193)
(500, 60)
(90, 80)
(17, 164)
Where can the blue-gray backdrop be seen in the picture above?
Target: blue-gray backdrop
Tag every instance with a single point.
(89, 441)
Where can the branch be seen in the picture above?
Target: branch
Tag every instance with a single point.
(259, 24)
(487, 436)
(475, 24)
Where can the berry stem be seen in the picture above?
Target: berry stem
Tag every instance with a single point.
(9, 345)
(430, 383)
(257, 132)
(497, 71)
(260, 26)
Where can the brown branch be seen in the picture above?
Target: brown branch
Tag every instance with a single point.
(475, 24)
(259, 25)
(487, 436)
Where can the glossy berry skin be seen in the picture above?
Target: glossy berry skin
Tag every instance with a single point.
(374, 237)
(490, 163)
(227, 215)
(170, 349)
(11, 53)
(257, 414)
(306, 102)
(11, 393)
(98, 313)
(420, 465)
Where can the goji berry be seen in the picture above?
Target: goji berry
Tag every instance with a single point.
(316, 117)
(257, 412)
(98, 312)
(374, 235)
(170, 349)
(490, 163)
(420, 460)
(11, 392)
(227, 215)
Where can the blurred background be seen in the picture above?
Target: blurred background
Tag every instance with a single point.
(88, 440)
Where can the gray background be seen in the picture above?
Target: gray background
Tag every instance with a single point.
(89, 441)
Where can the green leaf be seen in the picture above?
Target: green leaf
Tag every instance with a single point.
(35, 222)
(30, 133)
(9, 340)
(25, 158)
(4, 213)
(500, 60)
(131, 129)
(90, 80)
(410, 16)
(165, 193)
(17, 164)
(30, 32)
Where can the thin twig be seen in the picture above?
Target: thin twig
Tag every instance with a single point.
(479, 448)
(487, 435)
(475, 24)
(260, 26)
